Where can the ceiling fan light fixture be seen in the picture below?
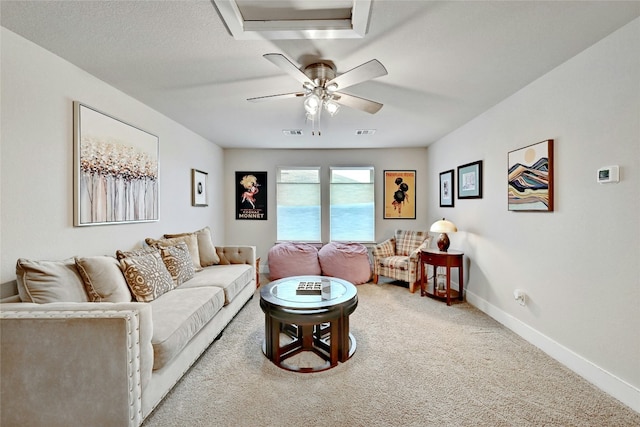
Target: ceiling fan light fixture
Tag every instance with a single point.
(320, 84)
(312, 103)
(332, 107)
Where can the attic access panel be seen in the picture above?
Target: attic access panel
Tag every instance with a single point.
(295, 19)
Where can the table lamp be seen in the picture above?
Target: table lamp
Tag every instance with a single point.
(443, 227)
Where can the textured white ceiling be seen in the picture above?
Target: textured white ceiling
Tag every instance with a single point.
(447, 62)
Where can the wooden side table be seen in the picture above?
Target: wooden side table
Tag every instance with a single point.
(258, 272)
(448, 260)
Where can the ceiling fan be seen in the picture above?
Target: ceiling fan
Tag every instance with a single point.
(321, 85)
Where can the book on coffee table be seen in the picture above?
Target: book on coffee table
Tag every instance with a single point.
(309, 288)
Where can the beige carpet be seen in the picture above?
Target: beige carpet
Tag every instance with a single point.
(418, 363)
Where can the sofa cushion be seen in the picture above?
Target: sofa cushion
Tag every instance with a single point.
(178, 316)
(103, 279)
(231, 278)
(395, 262)
(49, 281)
(189, 239)
(147, 276)
(178, 262)
(207, 251)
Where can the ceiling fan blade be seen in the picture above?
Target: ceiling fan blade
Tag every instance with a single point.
(287, 66)
(356, 102)
(275, 97)
(367, 71)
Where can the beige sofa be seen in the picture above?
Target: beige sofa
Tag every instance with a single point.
(110, 363)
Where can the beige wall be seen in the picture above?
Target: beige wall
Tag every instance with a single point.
(579, 264)
(38, 90)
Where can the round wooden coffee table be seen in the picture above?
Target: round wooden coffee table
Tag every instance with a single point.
(313, 311)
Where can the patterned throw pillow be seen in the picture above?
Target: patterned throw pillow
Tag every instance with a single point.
(178, 261)
(208, 254)
(189, 239)
(134, 252)
(147, 276)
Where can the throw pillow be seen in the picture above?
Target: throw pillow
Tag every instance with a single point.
(147, 276)
(103, 279)
(189, 239)
(178, 261)
(49, 281)
(134, 252)
(206, 249)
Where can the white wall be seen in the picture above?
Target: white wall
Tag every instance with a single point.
(263, 233)
(579, 264)
(38, 90)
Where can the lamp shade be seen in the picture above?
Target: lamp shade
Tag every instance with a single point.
(443, 226)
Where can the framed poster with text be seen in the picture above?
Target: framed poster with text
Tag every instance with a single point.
(399, 194)
(251, 195)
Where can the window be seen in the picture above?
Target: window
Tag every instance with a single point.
(352, 208)
(298, 204)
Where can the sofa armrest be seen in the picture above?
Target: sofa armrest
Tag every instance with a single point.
(237, 254)
(415, 254)
(65, 362)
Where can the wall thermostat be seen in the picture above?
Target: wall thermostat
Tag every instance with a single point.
(609, 174)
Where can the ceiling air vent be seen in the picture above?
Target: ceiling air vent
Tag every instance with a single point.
(365, 131)
(292, 132)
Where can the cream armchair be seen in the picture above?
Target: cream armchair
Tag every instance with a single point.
(399, 257)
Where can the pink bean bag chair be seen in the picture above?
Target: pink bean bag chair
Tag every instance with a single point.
(348, 261)
(293, 259)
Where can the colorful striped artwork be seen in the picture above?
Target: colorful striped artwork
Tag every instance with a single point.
(531, 178)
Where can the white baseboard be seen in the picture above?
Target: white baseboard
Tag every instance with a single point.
(607, 382)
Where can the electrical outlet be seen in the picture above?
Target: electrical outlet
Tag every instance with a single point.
(520, 296)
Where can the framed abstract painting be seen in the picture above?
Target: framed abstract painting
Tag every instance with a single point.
(531, 178)
(115, 170)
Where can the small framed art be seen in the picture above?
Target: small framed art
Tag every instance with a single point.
(470, 180)
(399, 194)
(531, 178)
(199, 188)
(447, 189)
